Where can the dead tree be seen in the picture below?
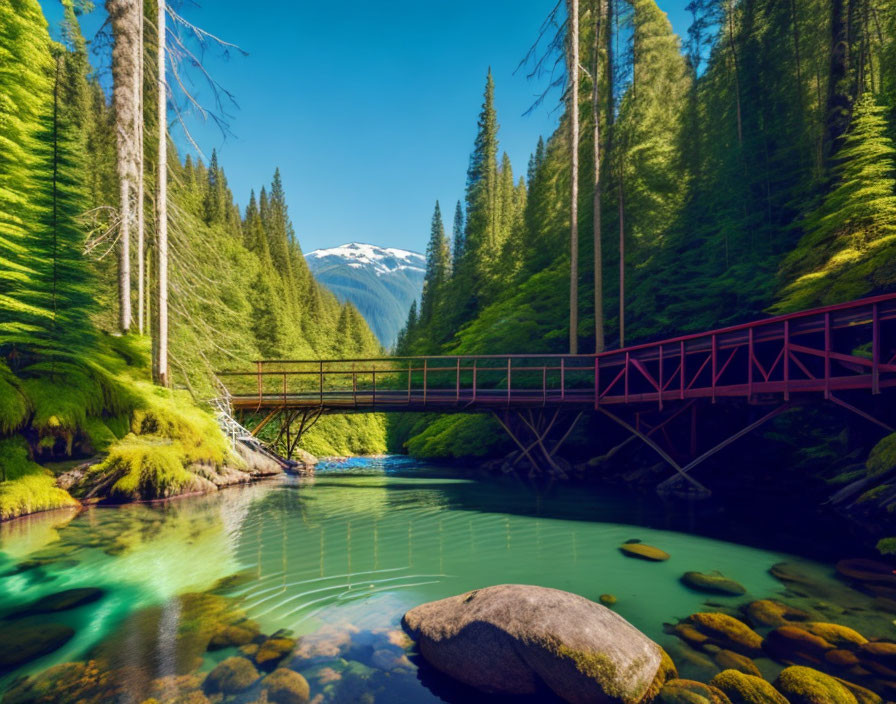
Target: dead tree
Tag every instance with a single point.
(124, 16)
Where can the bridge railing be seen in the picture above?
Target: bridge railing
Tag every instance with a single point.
(417, 381)
(844, 347)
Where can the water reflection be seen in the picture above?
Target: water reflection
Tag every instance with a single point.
(314, 575)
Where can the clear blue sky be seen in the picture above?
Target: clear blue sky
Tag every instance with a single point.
(368, 108)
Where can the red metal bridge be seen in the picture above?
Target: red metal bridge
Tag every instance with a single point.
(838, 354)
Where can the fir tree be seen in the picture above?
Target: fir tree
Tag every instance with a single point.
(851, 237)
(438, 268)
(457, 249)
(481, 233)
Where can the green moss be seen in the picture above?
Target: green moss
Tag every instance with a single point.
(874, 493)
(728, 632)
(99, 434)
(886, 546)
(882, 458)
(144, 467)
(746, 689)
(174, 415)
(14, 405)
(628, 686)
(27, 487)
(803, 685)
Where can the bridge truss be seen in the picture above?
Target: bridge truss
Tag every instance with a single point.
(843, 354)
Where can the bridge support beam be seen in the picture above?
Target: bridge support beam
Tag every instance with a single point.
(531, 437)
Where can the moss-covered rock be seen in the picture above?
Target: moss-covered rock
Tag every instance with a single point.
(643, 552)
(882, 458)
(743, 688)
(790, 643)
(840, 657)
(768, 612)
(22, 642)
(839, 636)
(514, 639)
(691, 692)
(231, 676)
(272, 651)
(82, 682)
(728, 632)
(862, 695)
(863, 570)
(712, 583)
(803, 685)
(729, 660)
(233, 635)
(880, 657)
(286, 687)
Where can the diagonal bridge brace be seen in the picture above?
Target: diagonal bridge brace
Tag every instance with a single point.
(539, 429)
(683, 471)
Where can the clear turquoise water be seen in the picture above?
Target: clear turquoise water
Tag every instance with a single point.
(354, 548)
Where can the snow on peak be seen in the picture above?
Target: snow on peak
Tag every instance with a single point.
(383, 260)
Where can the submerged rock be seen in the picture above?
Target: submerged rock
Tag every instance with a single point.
(867, 571)
(768, 612)
(607, 599)
(790, 643)
(713, 583)
(60, 601)
(742, 688)
(727, 632)
(839, 636)
(691, 692)
(509, 639)
(273, 650)
(24, 642)
(233, 675)
(286, 687)
(803, 685)
(644, 552)
(729, 660)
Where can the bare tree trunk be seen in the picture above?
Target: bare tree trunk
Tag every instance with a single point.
(621, 257)
(124, 16)
(141, 217)
(599, 7)
(573, 53)
(162, 207)
(740, 127)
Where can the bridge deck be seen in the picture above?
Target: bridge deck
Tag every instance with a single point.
(846, 347)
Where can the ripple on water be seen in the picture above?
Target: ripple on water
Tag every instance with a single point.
(360, 544)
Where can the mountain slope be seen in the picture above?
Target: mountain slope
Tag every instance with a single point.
(381, 282)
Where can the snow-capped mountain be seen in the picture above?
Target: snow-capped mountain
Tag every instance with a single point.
(381, 282)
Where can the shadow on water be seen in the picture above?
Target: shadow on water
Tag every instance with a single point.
(762, 522)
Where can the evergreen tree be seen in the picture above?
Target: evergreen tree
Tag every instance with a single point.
(457, 249)
(850, 238)
(438, 269)
(481, 233)
(25, 65)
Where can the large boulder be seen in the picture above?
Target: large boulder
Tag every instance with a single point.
(510, 638)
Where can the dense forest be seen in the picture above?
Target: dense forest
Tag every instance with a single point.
(747, 170)
(101, 261)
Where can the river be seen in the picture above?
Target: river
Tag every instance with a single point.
(334, 561)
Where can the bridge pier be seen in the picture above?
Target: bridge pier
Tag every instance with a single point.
(531, 432)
